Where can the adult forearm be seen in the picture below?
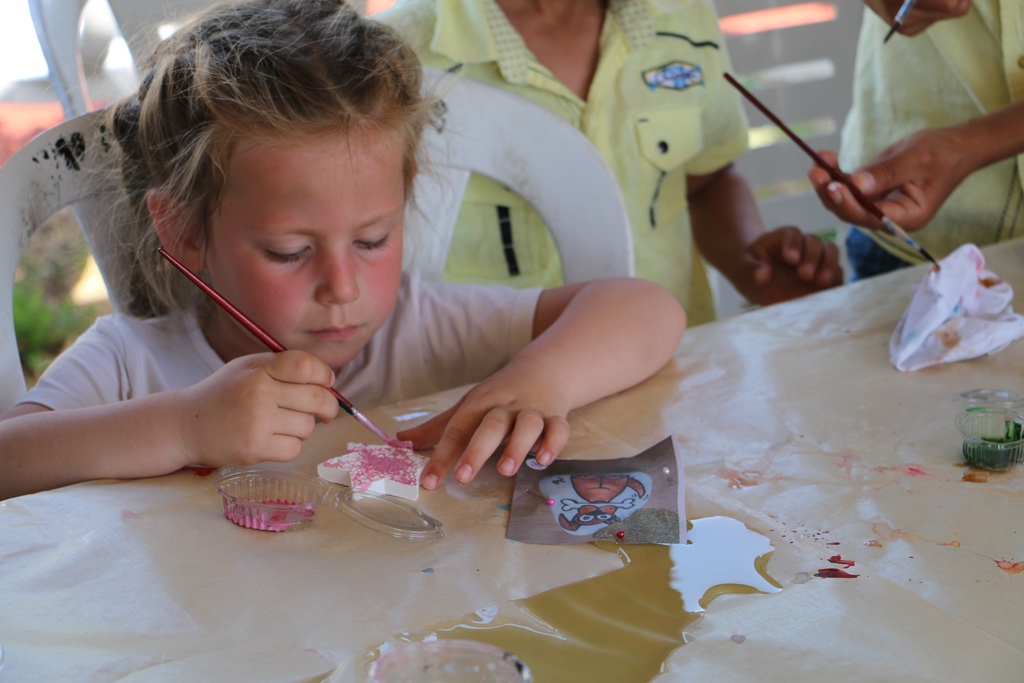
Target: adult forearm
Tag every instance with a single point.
(996, 136)
(725, 221)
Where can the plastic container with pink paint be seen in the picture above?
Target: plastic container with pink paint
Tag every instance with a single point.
(270, 499)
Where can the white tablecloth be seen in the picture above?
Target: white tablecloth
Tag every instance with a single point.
(791, 419)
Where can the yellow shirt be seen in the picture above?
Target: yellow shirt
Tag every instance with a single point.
(957, 69)
(657, 110)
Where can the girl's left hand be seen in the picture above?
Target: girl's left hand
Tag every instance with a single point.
(490, 419)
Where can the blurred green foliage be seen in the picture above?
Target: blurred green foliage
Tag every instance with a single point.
(43, 326)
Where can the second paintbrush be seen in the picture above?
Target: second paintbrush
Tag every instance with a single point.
(833, 172)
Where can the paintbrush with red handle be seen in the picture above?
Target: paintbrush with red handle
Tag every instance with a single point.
(276, 346)
(834, 173)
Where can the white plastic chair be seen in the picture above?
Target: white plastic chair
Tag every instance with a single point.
(58, 25)
(66, 165)
(536, 154)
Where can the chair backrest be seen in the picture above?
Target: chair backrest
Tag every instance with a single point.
(58, 25)
(533, 152)
(64, 166)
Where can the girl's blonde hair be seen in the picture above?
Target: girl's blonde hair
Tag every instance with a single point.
(262, 70)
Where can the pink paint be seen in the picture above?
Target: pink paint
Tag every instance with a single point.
(128, 514)
(382, 469)
(274, 514)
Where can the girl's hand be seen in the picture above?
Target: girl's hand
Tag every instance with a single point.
(256, 408)
(493, 414)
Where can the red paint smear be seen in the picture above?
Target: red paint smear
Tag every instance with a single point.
(202, 471)
(835, 559)
(832, 543)
(1010, 567)
(833, 573)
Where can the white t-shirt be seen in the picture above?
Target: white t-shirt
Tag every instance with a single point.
(439, 336)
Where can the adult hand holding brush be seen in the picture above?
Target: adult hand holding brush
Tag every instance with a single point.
(918, 15)
(910, 180)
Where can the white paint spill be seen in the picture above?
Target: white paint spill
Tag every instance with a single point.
(720, 550)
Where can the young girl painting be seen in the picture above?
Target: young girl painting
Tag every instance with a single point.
(272, 148)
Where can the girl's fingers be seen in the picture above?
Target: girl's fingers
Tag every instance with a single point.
(529, 425)
(488, 437)
(554, 439)
(511, 435)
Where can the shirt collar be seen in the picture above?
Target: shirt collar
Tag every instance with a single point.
(491, 38)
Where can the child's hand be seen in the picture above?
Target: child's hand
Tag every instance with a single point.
(787, 263)
(491, 414)
(256, 408)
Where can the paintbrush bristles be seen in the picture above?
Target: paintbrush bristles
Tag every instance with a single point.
(898, 20)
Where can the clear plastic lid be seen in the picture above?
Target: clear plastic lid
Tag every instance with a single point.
(278, 500)
(990, 399)
(387, 515)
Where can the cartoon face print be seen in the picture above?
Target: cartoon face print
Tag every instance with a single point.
(590, 502)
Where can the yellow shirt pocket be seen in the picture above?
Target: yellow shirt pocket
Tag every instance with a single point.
(668, 138)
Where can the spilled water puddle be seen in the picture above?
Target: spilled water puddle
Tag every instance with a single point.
(623, 625)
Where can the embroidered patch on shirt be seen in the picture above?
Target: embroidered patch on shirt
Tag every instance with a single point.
(674, 76)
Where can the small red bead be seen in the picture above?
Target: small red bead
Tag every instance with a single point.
(620, 535)
(551, 501)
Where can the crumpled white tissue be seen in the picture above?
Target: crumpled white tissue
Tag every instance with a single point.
(958, 312)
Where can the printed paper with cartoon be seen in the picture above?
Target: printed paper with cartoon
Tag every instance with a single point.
(628, 500)
(959, 311)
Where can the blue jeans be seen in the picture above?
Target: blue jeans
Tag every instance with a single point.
(867, 259)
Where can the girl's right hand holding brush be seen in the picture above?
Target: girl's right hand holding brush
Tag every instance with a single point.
(256, 408)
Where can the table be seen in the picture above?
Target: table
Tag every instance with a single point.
(790, 419)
